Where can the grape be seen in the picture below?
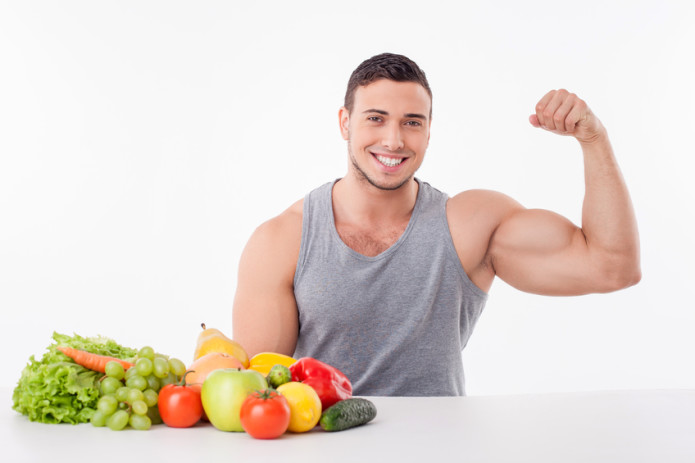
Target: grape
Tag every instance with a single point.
(161, 367)
(98, 419)
(177, 367)
(151, 397)
(143, 366)
(110, 385)
(130, 396)
(137, 382)
(169, 379)
(140, 422)
(129, 373)
(118, 420)
(153, 414)
(153, 382)
(107, 405)
(122, 393)
(113, 369)
(139, 407)
(146, 352)
(133, 395)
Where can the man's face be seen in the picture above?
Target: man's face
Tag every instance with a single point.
(387, 131)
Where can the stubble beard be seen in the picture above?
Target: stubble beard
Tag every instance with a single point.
(362, 175)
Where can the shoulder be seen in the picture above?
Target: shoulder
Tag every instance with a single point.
(488, 206)
(292, 216)
(282, 230)
(273, 248)
(474, 217)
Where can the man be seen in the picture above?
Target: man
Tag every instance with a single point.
(384, 277)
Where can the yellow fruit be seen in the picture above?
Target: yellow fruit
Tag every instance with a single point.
(264, 361)
(212, 340)
(305, 406)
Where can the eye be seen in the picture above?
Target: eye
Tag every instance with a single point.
(414, 123)
(374, 118)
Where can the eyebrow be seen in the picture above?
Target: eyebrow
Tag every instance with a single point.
(385, 113)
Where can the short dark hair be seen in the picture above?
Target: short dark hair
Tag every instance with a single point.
(385, 66)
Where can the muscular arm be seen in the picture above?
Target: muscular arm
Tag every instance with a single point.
(265, 312)
(542, 252)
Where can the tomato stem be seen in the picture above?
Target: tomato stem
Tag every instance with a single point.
(183, 378)
(266, 394)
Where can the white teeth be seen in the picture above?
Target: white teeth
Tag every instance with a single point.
(389, 162)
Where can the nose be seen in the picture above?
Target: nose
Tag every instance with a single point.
(392, 138)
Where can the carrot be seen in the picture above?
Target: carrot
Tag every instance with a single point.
(94, 362)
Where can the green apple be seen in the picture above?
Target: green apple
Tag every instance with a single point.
(223, 392)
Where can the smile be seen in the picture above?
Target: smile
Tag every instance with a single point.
(388, 161)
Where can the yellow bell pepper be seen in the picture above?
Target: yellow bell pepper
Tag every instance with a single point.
(264, 361)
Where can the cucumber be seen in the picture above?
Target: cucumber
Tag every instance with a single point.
(347, 414)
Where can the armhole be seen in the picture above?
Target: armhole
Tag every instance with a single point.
(306, 214)
(454, 255)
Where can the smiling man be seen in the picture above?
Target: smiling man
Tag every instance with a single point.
(383, 276)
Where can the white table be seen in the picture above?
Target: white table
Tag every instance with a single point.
(621, 426)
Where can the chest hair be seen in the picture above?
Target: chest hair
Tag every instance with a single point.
(370, 242)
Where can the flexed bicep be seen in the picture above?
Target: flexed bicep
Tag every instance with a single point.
(539, 251)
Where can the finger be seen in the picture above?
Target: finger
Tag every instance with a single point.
(560, 116)
(577, 114)
(533, 119)
(550, 110)
(540, 107)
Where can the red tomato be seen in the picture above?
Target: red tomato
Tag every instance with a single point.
(180, 405)
(265, 414)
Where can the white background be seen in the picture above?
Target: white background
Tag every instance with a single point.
(142, 142)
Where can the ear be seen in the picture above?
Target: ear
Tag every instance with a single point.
(429, 130)
(344, 121)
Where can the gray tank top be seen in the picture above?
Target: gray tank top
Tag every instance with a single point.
(395, 323)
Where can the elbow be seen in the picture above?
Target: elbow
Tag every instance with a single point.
(623, 277)
(630, 278)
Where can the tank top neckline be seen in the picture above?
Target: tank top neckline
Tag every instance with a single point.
(391, 249)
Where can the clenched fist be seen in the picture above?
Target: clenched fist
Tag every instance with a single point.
(564, 113)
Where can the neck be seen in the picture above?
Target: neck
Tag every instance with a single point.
(357, 201)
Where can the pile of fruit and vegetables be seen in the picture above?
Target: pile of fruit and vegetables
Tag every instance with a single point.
(94, 379)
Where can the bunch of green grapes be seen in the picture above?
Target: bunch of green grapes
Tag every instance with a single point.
(129, 397)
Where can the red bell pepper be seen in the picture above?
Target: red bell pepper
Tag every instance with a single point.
(330, 384)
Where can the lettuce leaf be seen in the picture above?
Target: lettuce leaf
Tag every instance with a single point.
(57, 390)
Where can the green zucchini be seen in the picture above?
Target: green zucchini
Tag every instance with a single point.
(347, 414)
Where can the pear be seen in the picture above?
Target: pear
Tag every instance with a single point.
(212, 340)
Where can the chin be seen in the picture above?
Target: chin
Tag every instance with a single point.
(387, 186)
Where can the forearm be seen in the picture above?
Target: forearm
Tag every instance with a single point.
(608, 218)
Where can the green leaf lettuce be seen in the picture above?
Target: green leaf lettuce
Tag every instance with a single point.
(57, 390)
